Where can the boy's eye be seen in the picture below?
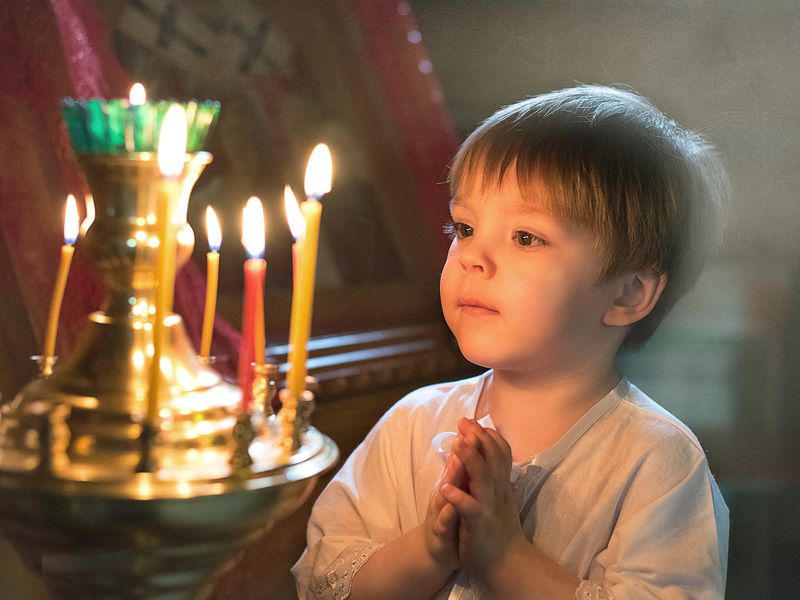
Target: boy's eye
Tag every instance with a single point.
(526, 238)
(457, 230)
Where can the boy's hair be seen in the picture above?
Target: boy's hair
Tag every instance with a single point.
(651, 192)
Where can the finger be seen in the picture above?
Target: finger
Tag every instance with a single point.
(465, 505)
(455, 474)
(498, 455)
(466, 425)
(481, 481)
(490, 448)
(454, 471)
(458, 475)
(447, 520)
(494, 449)
(474, 433)
(469, 432)
(503, 445)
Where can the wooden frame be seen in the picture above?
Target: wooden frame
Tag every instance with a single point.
(287, 81)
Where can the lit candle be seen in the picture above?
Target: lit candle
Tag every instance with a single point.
(133, 125)
(67, 250)
(255, 267)
(212, 277)
(297, 226)
(317, 183)
(171, 156)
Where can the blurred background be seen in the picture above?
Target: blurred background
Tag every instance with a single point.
(393, 87)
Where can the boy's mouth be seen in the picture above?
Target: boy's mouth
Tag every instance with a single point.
(475, 306)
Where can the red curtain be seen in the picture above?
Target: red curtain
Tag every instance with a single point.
(49, 50)
(415, 100)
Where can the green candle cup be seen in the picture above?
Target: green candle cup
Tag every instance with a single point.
(100, 126)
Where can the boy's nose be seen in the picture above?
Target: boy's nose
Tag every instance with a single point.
(475, 259)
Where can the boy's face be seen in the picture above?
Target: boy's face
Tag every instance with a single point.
(519, 289)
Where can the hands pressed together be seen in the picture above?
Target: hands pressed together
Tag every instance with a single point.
(472, 520)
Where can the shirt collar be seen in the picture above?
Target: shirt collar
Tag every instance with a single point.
(557, 451)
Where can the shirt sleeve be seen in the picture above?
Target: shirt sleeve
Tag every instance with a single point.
(671, 537)
(355, 515)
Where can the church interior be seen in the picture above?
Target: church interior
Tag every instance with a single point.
(393, 87)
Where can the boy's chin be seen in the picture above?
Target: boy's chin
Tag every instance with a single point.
(479, 356)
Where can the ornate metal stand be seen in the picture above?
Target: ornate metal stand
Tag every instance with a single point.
(104, 503)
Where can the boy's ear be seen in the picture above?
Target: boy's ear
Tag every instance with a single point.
(637, 295)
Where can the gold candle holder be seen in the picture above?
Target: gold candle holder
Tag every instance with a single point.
(295, 414)
(261, 418)
(100, 500)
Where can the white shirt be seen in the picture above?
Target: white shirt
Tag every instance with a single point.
(624, 500)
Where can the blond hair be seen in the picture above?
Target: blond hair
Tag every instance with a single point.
(652, 192)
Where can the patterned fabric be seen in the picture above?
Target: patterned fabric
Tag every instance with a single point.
(335, 583)
(593, 590)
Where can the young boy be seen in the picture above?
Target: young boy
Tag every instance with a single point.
(579, 218)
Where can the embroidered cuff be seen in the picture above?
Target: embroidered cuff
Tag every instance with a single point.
(335, 583)
(593, 590)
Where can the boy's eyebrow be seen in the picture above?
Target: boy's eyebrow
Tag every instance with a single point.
(456, 201)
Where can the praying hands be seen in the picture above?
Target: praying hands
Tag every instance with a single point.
(489, 525)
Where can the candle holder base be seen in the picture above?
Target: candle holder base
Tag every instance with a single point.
(243, 436)
(45, 364)
(294, 415)
(143, 538)
(107, 505)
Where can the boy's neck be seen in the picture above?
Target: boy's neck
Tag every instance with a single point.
(533, 413)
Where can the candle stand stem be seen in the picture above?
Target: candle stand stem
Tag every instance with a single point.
(295, 414)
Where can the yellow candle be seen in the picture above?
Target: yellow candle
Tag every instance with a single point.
(297, 227)
(212, 278)
(317, 183)
(301, 312)
(67, 250)
(171, 156)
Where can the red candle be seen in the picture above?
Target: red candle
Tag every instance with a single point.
(255, 268)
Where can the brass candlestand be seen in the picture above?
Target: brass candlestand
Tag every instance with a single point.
(103, 503)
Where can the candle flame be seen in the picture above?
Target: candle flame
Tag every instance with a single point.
(253, 230)
(213, 230)
(297, 224)
(137, 95)
(172, 142)
(319, 172)
(71, 221)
